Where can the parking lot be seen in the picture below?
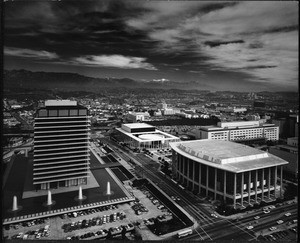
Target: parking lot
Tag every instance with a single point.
(102, 222)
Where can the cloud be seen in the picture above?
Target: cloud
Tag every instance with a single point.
(19, 52)
(116, 61)
(259, 39)
(218, 43)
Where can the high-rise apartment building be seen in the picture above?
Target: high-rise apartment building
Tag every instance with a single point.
(61, 145)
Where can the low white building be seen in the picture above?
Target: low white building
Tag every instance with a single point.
(142, 135)
(239, 131)
(138, 116)
(232, 109)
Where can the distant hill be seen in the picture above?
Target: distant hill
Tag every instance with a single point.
(76, 82)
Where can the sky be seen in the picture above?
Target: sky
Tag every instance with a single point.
(238, 46)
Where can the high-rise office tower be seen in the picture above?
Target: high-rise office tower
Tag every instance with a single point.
(61, 145)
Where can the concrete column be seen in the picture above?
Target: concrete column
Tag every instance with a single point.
(255, 185)
(249, 186)
(281, 174)
(234, 191)
(262, 184)
(206, 180)
(184, 163)
(224, 195)
(215, 186)
(188, 172)
(199, 178)
(275, 180)
(181, 168)
(269, 183)
(242, 189)
(193, 181)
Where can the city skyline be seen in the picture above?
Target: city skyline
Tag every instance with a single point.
(238, 46)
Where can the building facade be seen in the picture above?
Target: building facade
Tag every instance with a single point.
(61, 145)
(144, 136)
(239, 131)
(231, 172)
(138, 116)
(288, 152)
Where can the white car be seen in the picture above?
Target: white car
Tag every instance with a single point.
(266, 211)
(273, 228)
(272, 207)
(256, 217)
(214, 215)
(288, 214)
(250, 227)
(280, 221)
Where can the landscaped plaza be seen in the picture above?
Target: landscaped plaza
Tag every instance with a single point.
(127, 211)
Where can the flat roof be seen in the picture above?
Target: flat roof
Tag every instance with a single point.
(225, 155)
(60, 103)
(137, 125)
(167, 136)
(224, 129)
(285, 146)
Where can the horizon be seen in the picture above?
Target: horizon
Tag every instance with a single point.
(216, 46)
(155, 88)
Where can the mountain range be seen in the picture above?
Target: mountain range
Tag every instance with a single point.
(76, 82)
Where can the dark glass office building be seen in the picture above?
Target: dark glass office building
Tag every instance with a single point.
(61, 145)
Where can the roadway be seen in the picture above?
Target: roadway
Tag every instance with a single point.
(210, 228)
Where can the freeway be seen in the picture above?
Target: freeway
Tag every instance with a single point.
(209, 228)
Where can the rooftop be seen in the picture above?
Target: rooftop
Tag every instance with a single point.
(137, 125)
(60, 103)
(226, 155)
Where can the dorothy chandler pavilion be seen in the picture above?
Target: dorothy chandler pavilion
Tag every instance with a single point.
(238, 174)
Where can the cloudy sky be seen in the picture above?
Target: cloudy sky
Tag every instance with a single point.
(239, 46)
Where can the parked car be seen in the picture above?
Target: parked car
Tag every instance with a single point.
(280, 221)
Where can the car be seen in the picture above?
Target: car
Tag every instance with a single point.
(288, 214)
(178, 198)
(272, 207)
(273, 228)
(249, 227)
(256, 217)
(20, 235)
(173, 198)
(266, 211)
(280, 221)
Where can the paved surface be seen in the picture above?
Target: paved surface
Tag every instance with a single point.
(58, 233)
(34, 205)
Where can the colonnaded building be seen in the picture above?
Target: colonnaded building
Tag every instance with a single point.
(143, 135)
(61, 145)
(238, 174)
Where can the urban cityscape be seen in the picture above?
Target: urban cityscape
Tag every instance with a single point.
(98, 146)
